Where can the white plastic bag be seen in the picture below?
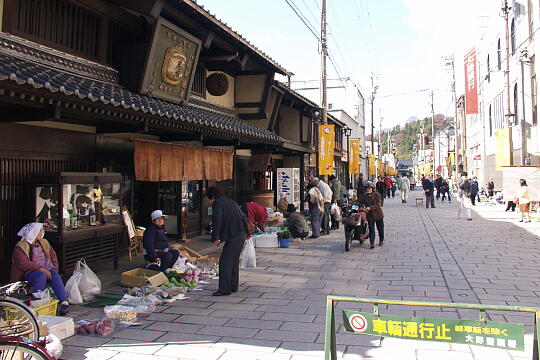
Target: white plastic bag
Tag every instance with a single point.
(54, 346)
(72, 289)
(248, 258)
(334, 209)
(90, 283)
(42, 298)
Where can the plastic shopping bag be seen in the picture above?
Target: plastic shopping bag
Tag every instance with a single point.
(42, 298)
(334, 209)
(54, 346)
(248, 258)
(72, 289)
(89, 283)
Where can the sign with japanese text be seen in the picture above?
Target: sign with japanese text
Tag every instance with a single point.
(380, 167)
(502, 155)
(372, 165)
(288, 183)
(492, 334)
(171, 63)
(326, 149)
(471, 80)
(354, 159)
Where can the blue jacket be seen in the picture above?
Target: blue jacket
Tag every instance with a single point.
(154, 238)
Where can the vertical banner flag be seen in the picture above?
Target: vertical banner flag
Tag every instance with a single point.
(380, 168)
(326, 149)
(371, 164)
(502, 155)
(471, 81)
(354, 157)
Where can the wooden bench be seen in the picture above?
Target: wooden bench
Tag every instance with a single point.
(419, 201)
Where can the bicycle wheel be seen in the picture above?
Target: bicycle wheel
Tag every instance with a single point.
(17, 319)
(17, 350)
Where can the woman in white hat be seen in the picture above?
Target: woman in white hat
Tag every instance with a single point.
(155, 242)
(34, 260)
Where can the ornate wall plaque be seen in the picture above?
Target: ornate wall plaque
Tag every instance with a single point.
(171, 63)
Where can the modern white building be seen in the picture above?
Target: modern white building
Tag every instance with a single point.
(481, 128)
(345, 103)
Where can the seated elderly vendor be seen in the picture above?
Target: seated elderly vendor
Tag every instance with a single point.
(34, 260)
(155, 242)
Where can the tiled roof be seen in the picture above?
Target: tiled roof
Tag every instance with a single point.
(224, 26)
(197, 113)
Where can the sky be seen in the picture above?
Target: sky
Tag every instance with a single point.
(400, 43)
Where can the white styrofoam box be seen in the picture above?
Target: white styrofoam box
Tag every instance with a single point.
(62, 327)
(266, 240)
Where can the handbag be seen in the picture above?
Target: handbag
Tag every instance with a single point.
(516, 201)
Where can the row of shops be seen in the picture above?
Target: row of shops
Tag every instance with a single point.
(87, 132)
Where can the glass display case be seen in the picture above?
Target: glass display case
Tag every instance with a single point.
(81, 214)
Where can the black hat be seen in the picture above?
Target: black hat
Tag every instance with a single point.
(291, 208)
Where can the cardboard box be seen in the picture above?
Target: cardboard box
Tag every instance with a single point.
(186, 252)
(133, 278)
(62, 327)
(42, 329)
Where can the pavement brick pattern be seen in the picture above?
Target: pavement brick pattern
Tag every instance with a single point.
(278, 313)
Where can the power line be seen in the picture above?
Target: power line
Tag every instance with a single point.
(304, 21)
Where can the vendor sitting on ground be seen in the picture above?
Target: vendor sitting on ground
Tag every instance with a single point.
(298, 226)
(34, 260)
(155, 243)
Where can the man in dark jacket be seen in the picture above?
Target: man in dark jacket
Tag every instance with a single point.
(381, 189)
(375, 215)
(428, 187)
(360, 188)
(228, 226)
(155, 243)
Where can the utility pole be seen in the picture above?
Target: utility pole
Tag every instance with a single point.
(509, 116)
(523, 59)
(433, 135)
(454, 95)
(324, 55)
(372, 100)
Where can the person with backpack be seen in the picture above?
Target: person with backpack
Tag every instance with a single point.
(474, 191)
(229, 227)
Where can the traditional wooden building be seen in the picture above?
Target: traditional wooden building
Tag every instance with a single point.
(159, 91)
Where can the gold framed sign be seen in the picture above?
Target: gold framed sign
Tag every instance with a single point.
(171, 63)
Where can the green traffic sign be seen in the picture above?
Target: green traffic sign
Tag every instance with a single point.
(492, 334)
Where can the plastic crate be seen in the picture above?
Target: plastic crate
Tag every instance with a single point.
(49, 309)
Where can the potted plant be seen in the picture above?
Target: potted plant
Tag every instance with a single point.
(284, 238)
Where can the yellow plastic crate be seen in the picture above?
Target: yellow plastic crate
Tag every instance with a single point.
(49, 309)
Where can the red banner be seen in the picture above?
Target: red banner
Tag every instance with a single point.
(471, 81)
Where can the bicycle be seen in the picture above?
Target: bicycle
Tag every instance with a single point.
(19, 329)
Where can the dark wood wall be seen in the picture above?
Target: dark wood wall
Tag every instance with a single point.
(27, 150)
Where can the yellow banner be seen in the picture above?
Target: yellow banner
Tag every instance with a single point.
(452, 158)
(354, 157)
(326, 149)
(380, 168)
(502, 155)
(427, 169)
(372, 166)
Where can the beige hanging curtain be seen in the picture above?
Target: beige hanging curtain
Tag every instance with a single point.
(156, 161)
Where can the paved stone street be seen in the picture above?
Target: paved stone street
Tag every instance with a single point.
(279, 311)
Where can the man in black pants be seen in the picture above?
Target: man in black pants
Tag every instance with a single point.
(228, 226)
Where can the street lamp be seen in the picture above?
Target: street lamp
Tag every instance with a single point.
(348, 131)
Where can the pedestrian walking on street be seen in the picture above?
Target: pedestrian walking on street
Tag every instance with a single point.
(335, 186)
(428, 187)
(524, 200)
(381, 189)
(394, 187)
(360, 188)
(316, 209)
(464, 194)
(404, 185)
(297, 224)
(375, 215)
(474, 191)
(326, 191)
(388, 183)
(155, 242)
(437, 183)
(491, 188)
(446, 190)
(229, 227)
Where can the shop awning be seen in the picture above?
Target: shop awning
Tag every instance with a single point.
(261, 163)
(156, 161)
